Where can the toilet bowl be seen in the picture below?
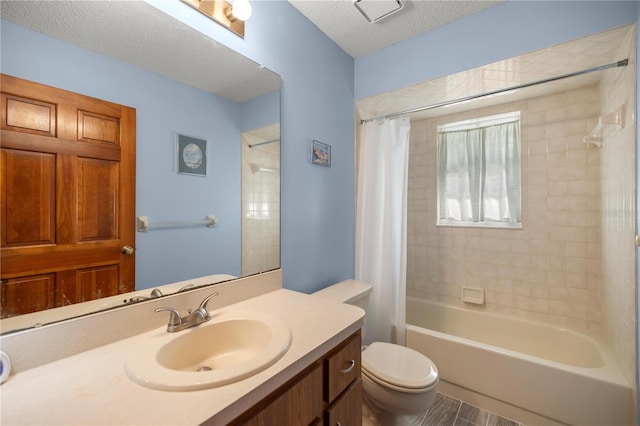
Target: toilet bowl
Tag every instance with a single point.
(398, 383)
(398, 380)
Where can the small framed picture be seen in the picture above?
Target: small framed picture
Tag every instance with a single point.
(321, 153)
(191, 156)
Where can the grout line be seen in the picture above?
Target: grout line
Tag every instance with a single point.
(458, 412)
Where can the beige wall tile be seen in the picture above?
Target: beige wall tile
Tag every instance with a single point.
(528, 272)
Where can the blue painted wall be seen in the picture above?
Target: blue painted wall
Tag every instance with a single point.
(260, 112)
(318, 203)
(503, 31)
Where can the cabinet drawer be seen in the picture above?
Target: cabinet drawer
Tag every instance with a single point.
(342, 367)
(347, 409)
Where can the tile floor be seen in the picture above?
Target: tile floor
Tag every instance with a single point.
(448, 411)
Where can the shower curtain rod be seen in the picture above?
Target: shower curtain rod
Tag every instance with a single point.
(264, 143)
(622, 63)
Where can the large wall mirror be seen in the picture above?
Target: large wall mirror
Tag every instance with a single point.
(180, 82)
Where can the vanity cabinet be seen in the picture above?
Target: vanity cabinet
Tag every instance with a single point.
(328, 392)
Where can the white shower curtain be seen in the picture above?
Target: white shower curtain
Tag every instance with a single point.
(381, 225)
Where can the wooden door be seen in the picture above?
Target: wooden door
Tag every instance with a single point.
(67, 184)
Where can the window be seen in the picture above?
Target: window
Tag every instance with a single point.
(479, 172)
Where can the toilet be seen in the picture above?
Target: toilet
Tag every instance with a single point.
(398, 383)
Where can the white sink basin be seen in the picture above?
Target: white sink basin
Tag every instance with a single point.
(231, 346)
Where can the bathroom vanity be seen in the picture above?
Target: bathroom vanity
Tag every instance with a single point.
(318, 378)
(329, 389)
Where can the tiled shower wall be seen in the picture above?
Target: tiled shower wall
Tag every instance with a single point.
(260, 206)
(551, 270)
(618, 169)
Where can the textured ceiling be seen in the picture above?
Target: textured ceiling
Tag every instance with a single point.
(139, 34)
(565, 58)
(343, 23)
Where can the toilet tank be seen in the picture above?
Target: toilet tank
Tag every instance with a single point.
(348, 291)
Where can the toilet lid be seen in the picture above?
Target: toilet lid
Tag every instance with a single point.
(398, 366)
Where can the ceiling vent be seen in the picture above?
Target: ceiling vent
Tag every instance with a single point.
(377, 10)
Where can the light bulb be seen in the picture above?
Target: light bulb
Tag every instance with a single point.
(241, 9)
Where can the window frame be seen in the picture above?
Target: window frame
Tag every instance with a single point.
(469, 124)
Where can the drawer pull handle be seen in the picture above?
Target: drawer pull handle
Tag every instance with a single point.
(352, 364)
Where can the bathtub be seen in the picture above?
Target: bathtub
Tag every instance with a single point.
(530, 367)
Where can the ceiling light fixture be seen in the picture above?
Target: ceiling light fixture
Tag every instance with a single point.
(377, 10)
(230, 16)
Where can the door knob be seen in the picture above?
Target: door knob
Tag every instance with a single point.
(128, 250)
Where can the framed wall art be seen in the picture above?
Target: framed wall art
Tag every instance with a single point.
(191, 156)
(321, 153)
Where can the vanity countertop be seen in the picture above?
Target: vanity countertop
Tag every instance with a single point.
(92, 388)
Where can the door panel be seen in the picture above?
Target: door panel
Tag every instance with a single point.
(29, 115)
(98, 128)
(28, 198)
(97, 211)
(27, 294)
(68, 195)
(98, 282)
(67, 291)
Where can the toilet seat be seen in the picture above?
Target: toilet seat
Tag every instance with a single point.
(398, 367)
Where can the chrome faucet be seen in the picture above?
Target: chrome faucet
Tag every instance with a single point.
(193, 318)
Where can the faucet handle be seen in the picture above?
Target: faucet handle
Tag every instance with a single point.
(175, 319)
(185, 288)
(203, 306)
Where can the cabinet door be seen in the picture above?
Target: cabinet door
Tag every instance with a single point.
(346, 410)
(299, 403)
(342, 367)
